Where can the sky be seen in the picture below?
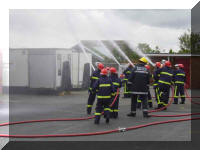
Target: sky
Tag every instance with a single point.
(64, 28)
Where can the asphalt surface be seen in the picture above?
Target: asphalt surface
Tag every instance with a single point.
(33, 107)
(4, 117)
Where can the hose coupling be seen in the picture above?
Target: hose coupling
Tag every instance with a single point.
(122, 129)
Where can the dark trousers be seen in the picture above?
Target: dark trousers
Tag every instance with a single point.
(127, 90)
(164, 90)
(91, 99)
(179, 90)
(103, 105)
(115, 108)
(150, 102)
(156, 91)
(134, 98)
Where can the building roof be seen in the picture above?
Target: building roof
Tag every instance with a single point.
(170, 55)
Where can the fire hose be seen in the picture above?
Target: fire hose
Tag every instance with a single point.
(101, 132)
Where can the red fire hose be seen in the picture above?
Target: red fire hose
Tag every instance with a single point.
(101, 132)
(190, 99)
(115, 98)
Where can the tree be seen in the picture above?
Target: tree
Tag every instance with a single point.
(171, 51)
(189, 42)
(185, 42)
(145, 48)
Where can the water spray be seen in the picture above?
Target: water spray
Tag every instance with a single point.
(78, 41)
(103, 45)
(97, 55)
(121, 52)
(84, 51)
(140, 53)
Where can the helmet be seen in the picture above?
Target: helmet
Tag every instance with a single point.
(104, 72)
(100, 66)
(147, 66)
(168, 64)
(181, 65)
(113, 70)
(108, 68)
(143, 59)
(158, 64)
(177, 65)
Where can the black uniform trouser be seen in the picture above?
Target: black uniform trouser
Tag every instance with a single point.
(103, 104)
(115, 107)
(127, 89)
(91, 99)
(164, 90)
(149, 100)
(179, 90)
(156, 93)
(134, 98)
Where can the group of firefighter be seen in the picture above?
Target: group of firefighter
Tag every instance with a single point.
(136, 79)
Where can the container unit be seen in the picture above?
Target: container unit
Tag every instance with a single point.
(43, 69)
(18, 68)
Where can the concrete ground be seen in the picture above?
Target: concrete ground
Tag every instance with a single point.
(4, 117)
(33, 107)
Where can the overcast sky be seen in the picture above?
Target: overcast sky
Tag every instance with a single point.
(63, 28)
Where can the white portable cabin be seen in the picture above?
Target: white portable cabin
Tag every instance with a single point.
(42, 67)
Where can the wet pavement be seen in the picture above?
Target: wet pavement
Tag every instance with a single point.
(33, 107)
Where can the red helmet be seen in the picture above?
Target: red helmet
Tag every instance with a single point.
(100, 66)
(181, 65)
(104, 72)
(113, 70)
(108, 68)
(168, 64)
(147, 66)
(158, 64)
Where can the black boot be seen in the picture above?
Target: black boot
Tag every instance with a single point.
(97, 120)
(145, 114)
(150, 105)
(159, 106)
(175, 102)
(182, 102)
(139, 105)
(107, 120)
(89, 110)
(131, 114)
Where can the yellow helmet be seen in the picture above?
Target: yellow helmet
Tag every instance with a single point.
(143, 59)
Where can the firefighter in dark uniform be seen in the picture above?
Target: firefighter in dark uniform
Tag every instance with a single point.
(105, 92)
(117, 85)
(179, 81)
(92, 95)
(150, 102)
(139, 78)
(155, 77)
(127, 73)
(164, 83)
